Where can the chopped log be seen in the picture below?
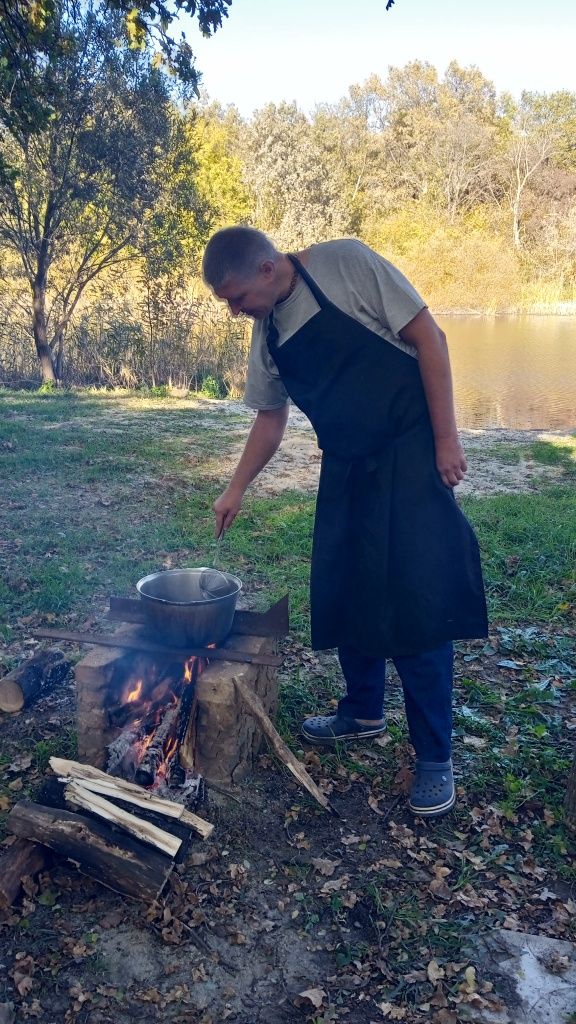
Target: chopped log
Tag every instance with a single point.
(100, 782)
(116, 860)
(32, 679)
(78, 796)
(255, 705)
(21, 860)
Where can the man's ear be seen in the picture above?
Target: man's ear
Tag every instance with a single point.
(268, 269)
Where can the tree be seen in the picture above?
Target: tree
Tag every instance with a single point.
(215, 138)
(75, 195)
(541, 131)
(28, 29)
(297, 198)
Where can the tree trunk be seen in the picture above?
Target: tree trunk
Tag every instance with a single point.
(39, 327)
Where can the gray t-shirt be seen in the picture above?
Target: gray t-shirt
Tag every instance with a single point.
(359, 282)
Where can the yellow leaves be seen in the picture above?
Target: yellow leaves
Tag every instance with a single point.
(135, 30)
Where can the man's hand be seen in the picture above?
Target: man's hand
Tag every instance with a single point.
(263, 441)
(430, 342)
(450, 461)
(226, 508)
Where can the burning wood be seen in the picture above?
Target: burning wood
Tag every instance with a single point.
(148, 749)
(161, 748)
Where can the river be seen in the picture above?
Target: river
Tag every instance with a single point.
(513, 372)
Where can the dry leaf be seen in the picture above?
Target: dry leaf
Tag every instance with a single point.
(325, 866)
(470, 976)
(316, 996)
(434, 971)
(373, 803)
(478, 742)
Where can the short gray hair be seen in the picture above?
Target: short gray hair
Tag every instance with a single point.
(237, 251)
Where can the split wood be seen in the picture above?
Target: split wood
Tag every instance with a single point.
(99, 782)
(257, 709)
(79, 796)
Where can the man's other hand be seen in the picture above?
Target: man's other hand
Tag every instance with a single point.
(450, 461)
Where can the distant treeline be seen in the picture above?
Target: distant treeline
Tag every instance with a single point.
(106, 206)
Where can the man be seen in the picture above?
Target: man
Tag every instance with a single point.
(395, 565)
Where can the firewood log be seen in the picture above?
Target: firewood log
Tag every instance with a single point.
(78, 796)
(21, 860)
(255, 705)
(32, 679)
(111, 857)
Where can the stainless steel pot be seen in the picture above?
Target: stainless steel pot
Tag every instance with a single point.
(190, 606)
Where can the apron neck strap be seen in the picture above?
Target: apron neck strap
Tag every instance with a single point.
(318, 294)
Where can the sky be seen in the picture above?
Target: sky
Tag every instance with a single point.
(311, 51)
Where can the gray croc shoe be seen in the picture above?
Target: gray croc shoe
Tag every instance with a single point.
(328, 728)
(432, 792)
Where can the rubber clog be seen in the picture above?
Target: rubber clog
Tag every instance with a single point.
(432, 793)
(329, 728)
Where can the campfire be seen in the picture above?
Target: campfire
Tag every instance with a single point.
(160, 721)
(155, 711)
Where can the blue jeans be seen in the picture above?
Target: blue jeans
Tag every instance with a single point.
(427, 684)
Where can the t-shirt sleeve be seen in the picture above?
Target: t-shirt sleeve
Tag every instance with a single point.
(385, 291)
(264, 387)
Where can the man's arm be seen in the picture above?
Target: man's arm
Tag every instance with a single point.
(263, 441)
(430, 342)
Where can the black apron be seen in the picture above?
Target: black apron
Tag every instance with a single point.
(395, 563)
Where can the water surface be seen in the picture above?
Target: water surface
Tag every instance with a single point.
(513, 372)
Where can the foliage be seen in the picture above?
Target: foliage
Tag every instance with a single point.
(471, 193)
(81, 194)
(29, 33)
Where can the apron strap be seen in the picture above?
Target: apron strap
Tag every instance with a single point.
(322, 300)
(318, 294)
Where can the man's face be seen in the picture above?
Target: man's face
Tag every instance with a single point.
(254, 296)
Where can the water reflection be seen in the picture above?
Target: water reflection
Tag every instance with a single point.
(513, 372)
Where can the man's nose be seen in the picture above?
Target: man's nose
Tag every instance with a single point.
(234, 307)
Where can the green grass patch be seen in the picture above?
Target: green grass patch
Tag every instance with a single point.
(528, 545)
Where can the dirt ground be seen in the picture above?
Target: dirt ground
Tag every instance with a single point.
(289, 914)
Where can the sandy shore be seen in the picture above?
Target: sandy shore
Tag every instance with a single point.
(498, 460)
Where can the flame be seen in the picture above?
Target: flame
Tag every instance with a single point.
(135, 693)
(188, 670)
